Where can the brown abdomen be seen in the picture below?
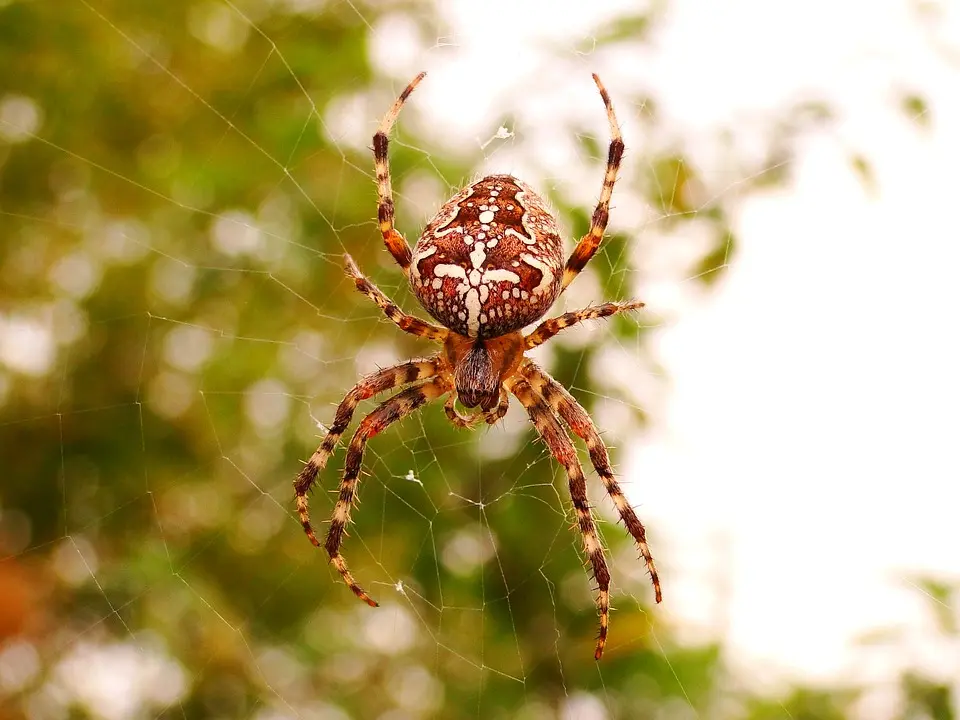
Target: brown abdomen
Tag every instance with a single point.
(491, 261)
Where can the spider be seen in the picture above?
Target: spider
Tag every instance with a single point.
(489, 264)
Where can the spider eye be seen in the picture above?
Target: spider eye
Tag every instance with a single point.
(477, 383)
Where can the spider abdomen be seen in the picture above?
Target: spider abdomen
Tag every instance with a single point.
(491, 261)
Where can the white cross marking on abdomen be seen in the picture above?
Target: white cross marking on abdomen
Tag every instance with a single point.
(473, 288)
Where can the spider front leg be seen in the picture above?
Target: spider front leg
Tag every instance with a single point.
(562, 449)
(574, 415)
(548, 328)
(394, 241)
(371, 385)
(589, 243)
(407, 323)
(389, 412)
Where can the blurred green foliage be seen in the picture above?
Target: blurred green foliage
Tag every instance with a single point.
(146, 506)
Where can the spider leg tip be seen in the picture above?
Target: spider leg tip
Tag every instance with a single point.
(413, 84)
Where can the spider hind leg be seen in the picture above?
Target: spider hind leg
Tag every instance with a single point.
(589, 243)
(395, 242)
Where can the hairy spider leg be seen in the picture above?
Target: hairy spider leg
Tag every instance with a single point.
(561, 447)
(372, 384)
(407, 323)
(394, 241)
(589, 243)
(578, 420)
(389, 412)
(548, 328)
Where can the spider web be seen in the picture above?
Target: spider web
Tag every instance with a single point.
(159, 513)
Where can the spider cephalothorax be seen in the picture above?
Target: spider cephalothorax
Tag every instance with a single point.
(489, 264)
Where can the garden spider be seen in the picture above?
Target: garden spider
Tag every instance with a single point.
(489, 264)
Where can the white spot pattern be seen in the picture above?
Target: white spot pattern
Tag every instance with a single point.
(454, 271)
(478, 255)
(526, 240)
(472, 301)
(500, 275)
(484, 242)
(417, 257)
(546, 278)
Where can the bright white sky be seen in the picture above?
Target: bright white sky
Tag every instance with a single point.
(805, 467)
(813, 418)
